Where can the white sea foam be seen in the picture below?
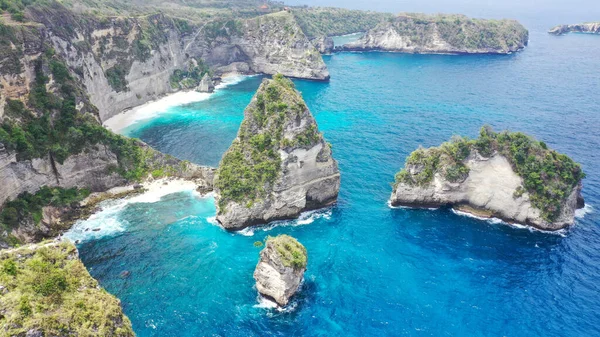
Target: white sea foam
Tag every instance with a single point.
(155, 108)
(106, 222)
(305, 218)
(389, 203)
(582, 212)
(496, 221)
(265, 303)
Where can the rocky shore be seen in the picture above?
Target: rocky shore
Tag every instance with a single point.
(489, 177)
(280, 269)
(442, 34)
(279, 165)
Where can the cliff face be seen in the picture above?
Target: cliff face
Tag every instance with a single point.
(125, 62)
(324, 44)
(46, 291)
(590, 27)
(443, 34)
(490, 178)
(279, 165)
(280, 269)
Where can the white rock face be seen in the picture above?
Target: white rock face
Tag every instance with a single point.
(274, 279)
(590, 27)
(81, 170)
(324, 44)
(408, 34)
(489, 188)
(270, 44)
(206, 84)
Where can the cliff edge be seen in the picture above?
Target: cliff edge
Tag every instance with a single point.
(505, 175)
(443, 34)
(279, 165)
(46, 291)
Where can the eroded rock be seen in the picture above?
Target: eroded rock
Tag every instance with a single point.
(279, 165)
(281, 269)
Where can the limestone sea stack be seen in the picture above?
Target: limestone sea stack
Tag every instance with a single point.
(280, 269)
(443, 34)
(279, 165)
(206, 84)
(590, 28)
(507, 175)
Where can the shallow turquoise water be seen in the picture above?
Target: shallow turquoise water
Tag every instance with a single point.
(374, 270)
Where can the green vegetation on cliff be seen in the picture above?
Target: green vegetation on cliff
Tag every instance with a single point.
(55, 127)
(253, 162)
(46, 289)
(548, 176)
(318, 21)
(189, 77)
(460, 31)
(29, 206)
(292, 253)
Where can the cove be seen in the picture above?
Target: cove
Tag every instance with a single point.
(373, 270)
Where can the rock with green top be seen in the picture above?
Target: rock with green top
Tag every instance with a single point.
(45, 290)
(507, 175)
(443, 34)
(281, 269)
(279, 165)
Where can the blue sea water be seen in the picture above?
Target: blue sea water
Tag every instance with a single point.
(373, 270)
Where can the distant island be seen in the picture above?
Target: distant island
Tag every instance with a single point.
(507, 175)
(588, 28)
(442, 34)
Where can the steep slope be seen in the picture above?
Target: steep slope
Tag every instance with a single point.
(127, 61)
(506, 175)
(443, 34)
(589, 27)
(279, 165)
(46, 291)
(50, 133)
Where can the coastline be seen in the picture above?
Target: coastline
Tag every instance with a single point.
(151, 109)
(101, 220)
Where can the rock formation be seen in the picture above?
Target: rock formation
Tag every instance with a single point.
(46, 291)
(590, 27)
(504, 175)
(279, 165)
(206, 84)
(443, 34)
(323, 44)
(281, 269)
(127, 61)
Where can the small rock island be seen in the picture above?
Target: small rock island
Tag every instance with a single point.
(589, 27)
(281, 269)
(507, 175)
(279, 165)
(442, 34)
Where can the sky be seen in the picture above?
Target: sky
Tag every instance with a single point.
(540, 13)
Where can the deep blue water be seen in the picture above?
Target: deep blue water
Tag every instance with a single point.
(373, 270)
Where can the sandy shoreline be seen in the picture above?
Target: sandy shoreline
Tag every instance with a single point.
(151, 109)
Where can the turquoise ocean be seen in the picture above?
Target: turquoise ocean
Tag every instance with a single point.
(372, 270)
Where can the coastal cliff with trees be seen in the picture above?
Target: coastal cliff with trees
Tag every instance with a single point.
(443, 34)
(507, 175)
